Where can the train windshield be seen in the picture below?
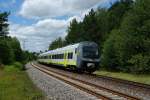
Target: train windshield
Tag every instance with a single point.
(90, 52)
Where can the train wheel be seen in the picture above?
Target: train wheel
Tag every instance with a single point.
(80, 71)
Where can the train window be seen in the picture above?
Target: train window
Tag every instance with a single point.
(54, 56)
(70, 55)
(62, 56)
(57, 56)
(75, 50)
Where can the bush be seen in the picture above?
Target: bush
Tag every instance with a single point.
(6, 53)
(19, 65)
(140, 64)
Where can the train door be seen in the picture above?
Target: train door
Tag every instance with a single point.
(65, 59)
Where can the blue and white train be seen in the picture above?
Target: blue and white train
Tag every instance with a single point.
(83, 56)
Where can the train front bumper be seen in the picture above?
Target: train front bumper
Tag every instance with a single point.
(90, 64)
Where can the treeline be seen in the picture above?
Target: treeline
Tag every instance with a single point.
(122, 33)
(10, 49)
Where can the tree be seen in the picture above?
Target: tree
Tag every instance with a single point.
(136, 27)
(73, 32)
(90, 29)
(6, 52)
(112, 51)
(129, 46)
(4, 24)
(57, 43)
(16, 47)
(117, 12)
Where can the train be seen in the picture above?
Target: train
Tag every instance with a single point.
(82, 57)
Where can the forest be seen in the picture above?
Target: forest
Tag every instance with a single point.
(122, 32)
(10, 48)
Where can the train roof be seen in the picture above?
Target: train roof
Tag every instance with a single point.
(72, 46)
(63, 48)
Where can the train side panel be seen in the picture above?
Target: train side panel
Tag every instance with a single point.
(69, 57)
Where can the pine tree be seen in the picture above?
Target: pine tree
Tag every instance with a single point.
(4, 24)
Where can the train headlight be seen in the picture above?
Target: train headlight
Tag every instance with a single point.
(90, 65)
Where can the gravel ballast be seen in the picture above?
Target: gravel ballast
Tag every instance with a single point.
(142, 93)
(55, 89)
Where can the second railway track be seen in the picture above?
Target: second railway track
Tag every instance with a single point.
(98, 91)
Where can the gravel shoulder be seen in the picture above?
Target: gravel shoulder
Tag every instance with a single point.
(55, 89)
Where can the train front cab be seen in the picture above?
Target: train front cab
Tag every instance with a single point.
(88, 57)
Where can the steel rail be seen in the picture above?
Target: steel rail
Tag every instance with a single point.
(93, 89)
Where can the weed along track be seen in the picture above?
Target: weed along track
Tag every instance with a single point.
(98, 91)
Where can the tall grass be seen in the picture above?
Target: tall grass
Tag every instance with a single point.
(126, 76)
(16, 85)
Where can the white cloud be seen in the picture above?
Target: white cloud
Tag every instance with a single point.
(40, 34)
(55, 8)
(47, 28)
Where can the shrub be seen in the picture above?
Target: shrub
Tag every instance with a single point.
(19, 65)
(6, 53)
(140, 64)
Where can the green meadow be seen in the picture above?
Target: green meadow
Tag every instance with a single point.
(16, 85)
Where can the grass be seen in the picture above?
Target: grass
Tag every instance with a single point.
(126, 76)
(16, 85)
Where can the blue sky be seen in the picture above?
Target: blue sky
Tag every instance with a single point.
(38, 22)
(13, 6)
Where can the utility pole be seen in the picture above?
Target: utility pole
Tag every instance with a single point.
(24, 44)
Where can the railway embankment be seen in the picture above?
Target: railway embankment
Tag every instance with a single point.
(56, 89)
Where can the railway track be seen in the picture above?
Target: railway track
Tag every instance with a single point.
(96, 90)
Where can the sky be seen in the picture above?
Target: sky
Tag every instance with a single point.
(36, 23)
